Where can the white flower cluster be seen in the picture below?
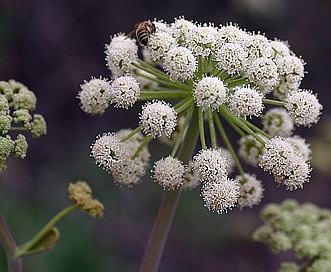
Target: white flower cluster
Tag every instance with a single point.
(199, 73)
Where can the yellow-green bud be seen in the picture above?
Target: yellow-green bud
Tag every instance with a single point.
(38, 126)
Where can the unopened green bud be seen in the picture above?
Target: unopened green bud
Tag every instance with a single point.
(24, 99)
(21, 146)
(38, 126)
(22, 116)
(5, 123)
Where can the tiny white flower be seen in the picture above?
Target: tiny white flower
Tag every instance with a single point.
(158, 118)
(169, 172)
(180, 63)
(210, 93)
(304, 107)
(263, 72)
(120, 53)
(246, 101)
(221, 194)
(277, 122)
(210, 164)
(124, 91)
(94, 96)
(251, 190)
(231, 57)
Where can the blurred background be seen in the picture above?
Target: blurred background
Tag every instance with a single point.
(52, 47)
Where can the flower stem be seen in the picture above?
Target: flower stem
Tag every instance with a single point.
(9, 245)
(159, 235)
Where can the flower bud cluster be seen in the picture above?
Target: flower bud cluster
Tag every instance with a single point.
(303, 228)
(191, 74)
(17, 103)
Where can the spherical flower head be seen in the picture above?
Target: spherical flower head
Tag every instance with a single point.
(258, 46)
(246, 101)
(231, 34)
(277, 156)
(4, 105)
(231, 57)
(24, 99)
(277, 122)
(108, 151)
(80, 194)
(210, 93)
(127, 171)
(191, 179)
(6, 89)
(298, 174)
(6, 147)
(182, 29)
(132, 145)
(94, 96)
(22, 116)
(21, 146)
(120, 53)
(251, 191)
(124, 91)
(158, 118)
(180, 63)
(202, 40)
(220, 195)
(280, 49)
(304, 107)
(291, 73)
(38, 126)
(159, 44)
(169, 172)
(250, 149)
(5, 123)
(301, 146)
(210, 164)
(263, 72)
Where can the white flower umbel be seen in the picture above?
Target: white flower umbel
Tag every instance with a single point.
(221, 194)
(231, 34)
(124, 91)
(304, 107)
(210, 93)
(277, 122)
(280, 49)
(182, 29)
(232, 57)
(251, 190)
(94, 96)
(158, 118)
(120, 53)
(210, 164)
(258, 47)
(180, 63)
(169, 172)
(263, 72)
(246, 102)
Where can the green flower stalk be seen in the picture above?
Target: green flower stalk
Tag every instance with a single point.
(303, 228)
(191, 74)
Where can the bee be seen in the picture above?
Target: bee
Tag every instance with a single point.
(143, 31)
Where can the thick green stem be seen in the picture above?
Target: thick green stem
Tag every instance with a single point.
(9, 245)
(159, 235)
